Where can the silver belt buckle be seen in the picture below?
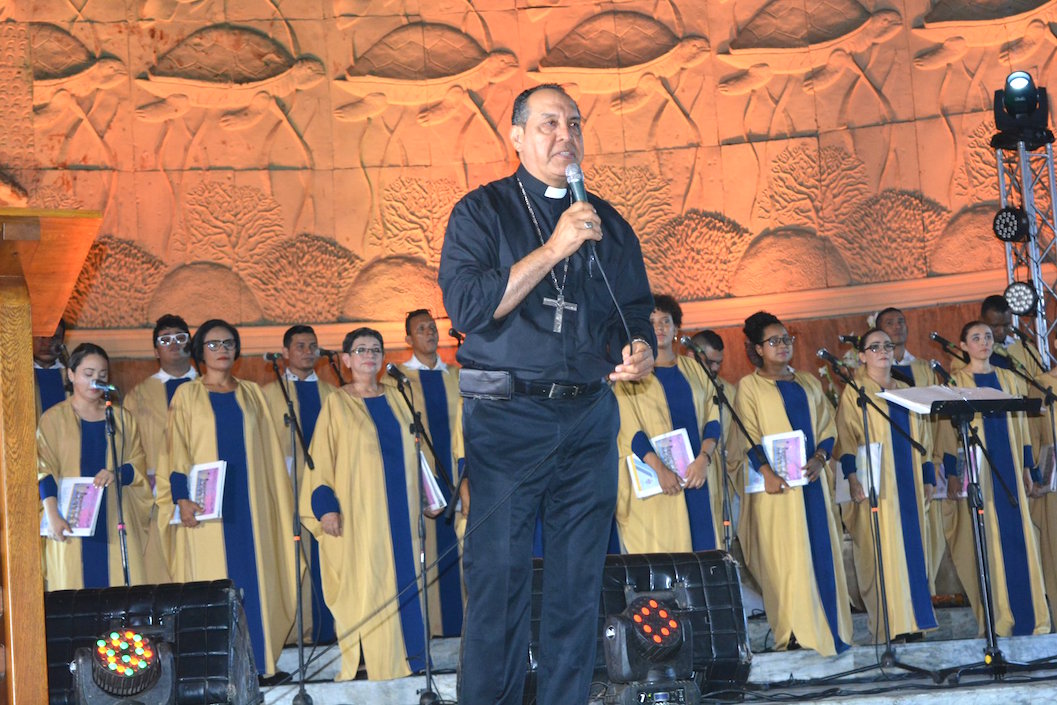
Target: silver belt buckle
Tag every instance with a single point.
(555, 390)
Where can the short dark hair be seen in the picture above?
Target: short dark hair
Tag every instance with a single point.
(994, 302)
(198, 341)
(882, 313)
(860, 345)
(519, 115)
(299, 329)
(350, 338)
(969, 326)
(84, 350)
(668, 304)
(708, 337)
(415, 314)
(753, 329)
(169, 320)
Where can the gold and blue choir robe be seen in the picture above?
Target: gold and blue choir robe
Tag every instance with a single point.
(900, 513)
(69, 447)
(437, 398)
(367, 471)
(49, 386)
(791, 540)
(665, 523)
(252, 544)
(1044, 508)
(935, 542)
(149, 403)
(717, 474)
(1012, 548)
(307, 398)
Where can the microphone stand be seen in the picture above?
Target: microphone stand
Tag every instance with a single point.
(1026, 342)
(720, 399)
(888, 658)
(297, 437)
(337, 369)
(121, 533)
(426, 695)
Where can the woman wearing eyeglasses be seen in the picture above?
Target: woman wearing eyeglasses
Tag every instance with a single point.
(220, 417)
(789, 534)
(362, 503)
(1012, 548)
(72, 443)
(907, 479)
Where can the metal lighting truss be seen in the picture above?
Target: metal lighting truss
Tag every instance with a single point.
(1031, 172)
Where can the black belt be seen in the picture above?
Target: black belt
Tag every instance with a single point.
(557, 390)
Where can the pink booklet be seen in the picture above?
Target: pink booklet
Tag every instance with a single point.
(79, 500)
(205, 484)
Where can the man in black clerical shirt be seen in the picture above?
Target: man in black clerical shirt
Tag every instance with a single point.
(523, 271)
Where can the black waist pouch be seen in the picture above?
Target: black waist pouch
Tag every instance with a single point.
(486, 384)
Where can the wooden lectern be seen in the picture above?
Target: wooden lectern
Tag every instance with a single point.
(41, 254)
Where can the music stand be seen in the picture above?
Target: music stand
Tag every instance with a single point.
(961, 413)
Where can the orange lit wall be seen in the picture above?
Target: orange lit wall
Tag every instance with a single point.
(275, 162)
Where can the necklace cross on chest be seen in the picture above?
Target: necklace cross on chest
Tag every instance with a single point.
(560, 307)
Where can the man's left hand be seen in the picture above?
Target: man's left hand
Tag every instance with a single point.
(638, 363)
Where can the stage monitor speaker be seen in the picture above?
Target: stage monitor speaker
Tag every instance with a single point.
(203, 623)
(707, 586)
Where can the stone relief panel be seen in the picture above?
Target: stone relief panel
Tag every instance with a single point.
(279, 162)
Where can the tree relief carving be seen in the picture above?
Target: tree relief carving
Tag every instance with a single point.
(225, 223)
(695, 255)
(413, 215)
(115, 265)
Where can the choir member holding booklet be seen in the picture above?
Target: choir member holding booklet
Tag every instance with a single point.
(788, 533)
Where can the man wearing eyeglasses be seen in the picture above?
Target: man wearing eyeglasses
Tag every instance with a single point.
(149, 404)
(541, 284)
(436, 395)
(307, 393)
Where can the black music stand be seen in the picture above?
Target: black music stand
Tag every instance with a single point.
(961, 413)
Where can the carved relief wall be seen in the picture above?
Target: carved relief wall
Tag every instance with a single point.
(272, 162)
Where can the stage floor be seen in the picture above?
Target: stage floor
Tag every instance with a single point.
(798, 676)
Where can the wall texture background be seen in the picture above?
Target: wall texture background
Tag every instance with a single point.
(274, 161)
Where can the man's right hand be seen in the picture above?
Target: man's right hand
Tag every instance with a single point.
(572, 230)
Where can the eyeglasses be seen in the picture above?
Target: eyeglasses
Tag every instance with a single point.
(878, 347)
(214, 345)
(361, 351)
(173, 339)
(775, 340)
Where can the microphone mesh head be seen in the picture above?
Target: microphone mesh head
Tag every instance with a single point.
(574, 173)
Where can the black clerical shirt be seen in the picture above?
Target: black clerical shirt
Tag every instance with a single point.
(489, 231)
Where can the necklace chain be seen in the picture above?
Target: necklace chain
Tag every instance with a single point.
(539, 233)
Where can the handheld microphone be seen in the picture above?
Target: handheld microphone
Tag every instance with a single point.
(323, 352)
(575, 176)
(849, 339)
(940, 372)
(830, 357)
(272, 357)
(691, 345)
(102, 386)
(949, 346)
(459, 337)
(396, 373)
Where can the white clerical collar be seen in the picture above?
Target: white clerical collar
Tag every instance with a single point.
(58, 366)
(556, 193)
(907, 359)
(415, 364)
(291, 377)
(192, 373)
(1005, 343)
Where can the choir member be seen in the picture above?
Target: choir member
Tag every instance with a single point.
(362, 503)
(49, 377)
(221, 417)
(1044, 503)
(72, 442)
(678, 395)
(907, 480)
(1012, 548)
(789, 534)
(307, 393)
(435, 392)
(148, 402)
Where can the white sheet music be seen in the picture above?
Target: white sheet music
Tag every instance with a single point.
(920, 399)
